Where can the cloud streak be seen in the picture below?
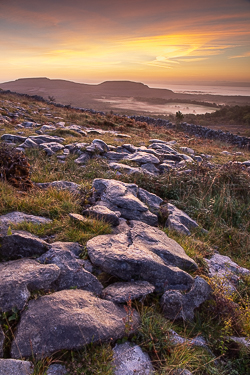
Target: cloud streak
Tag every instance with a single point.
(108, 39)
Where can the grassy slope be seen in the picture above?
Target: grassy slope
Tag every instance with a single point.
(218, 199)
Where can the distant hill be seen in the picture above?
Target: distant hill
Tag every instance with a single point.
(88, 96)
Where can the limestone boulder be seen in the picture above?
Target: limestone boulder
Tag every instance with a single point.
(145, 253)
(20, 277)
(122, 197)
(178, 220)
(72, 274)
(69, 320)
(227, 271)
(122, 292)
(21, 244)
(103, 213)
(129, 359)
(176, 305)
(141, 157)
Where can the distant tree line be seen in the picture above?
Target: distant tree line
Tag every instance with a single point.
(232, 115)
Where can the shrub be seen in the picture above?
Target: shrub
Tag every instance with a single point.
(14, 167)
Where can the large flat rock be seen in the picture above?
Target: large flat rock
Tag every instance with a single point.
(145, 253)
(68, 320)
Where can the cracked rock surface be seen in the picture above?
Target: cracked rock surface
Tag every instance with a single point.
(123, 197)
(143, 252)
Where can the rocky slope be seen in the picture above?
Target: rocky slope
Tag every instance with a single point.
(64, 295)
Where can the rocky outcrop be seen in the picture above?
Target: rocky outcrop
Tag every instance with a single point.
(68, 319)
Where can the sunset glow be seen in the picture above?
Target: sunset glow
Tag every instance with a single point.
(94, 41)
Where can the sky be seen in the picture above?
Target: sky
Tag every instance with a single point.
(150, 41)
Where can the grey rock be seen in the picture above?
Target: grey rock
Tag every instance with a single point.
(99, 145)
(150, 199)
(15, 367)
(17, 217)
(119, 196)
(76, 148)
(129, 147)
(28, 124)
(83, 158)
(246, 163)
(21, 244)
(181, 306)
(176, 158)
(122, 292)
(121, 135)
(2, 338)
(197, 158)
(143, 158)
(60, 185)
(103, 213)
(80, 218)
(68, 320)
(187, 149)
(74, 247)
(53, 146)
(162, 147)
(129, 359)
(46, 139)
(116, 156)
(227, 271)
(47, 128)
(198, 341)
(19, 277)
(187, 158)
(123, 168)
(72, 274)
(11, 138)
(150, 168)
(56, 369)
(28, 143)
(179, 220)
(48, 151)
(143, 252)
